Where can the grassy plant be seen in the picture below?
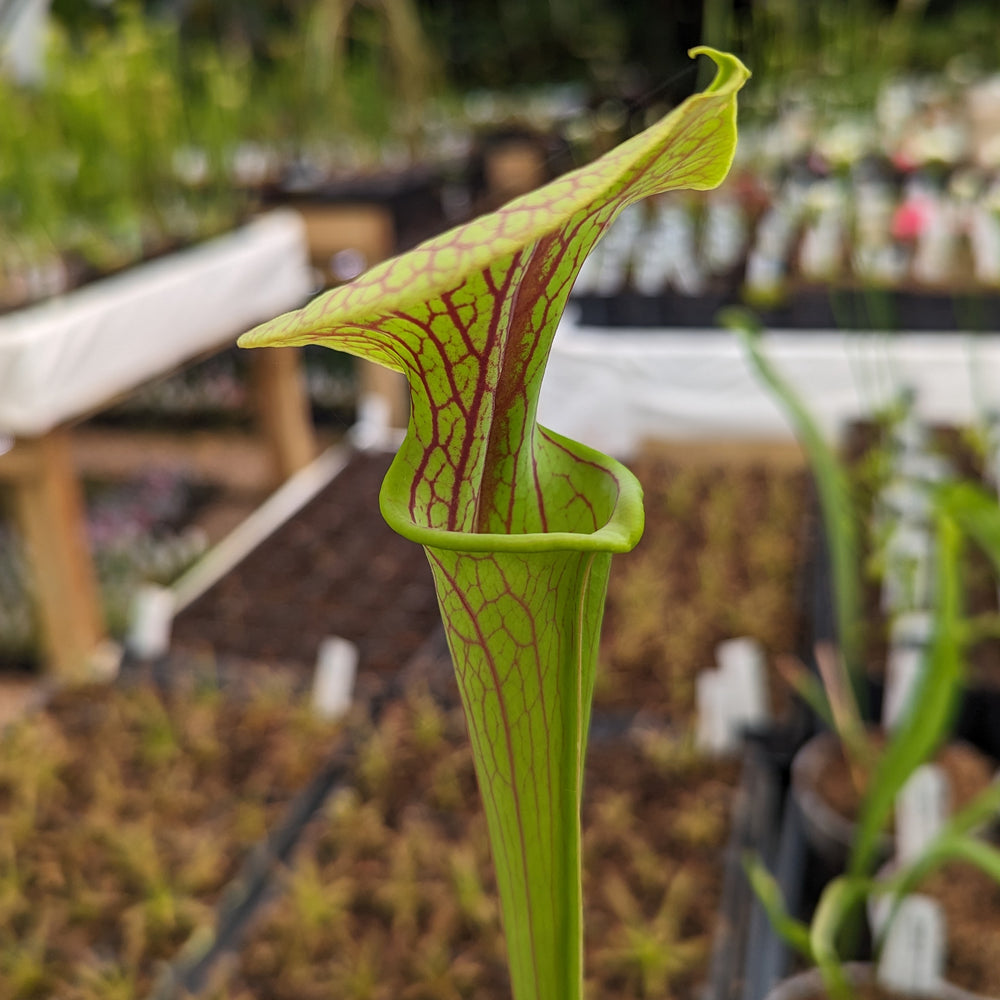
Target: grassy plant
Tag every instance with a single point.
(958, 512)
(650, 951)
(820, 940)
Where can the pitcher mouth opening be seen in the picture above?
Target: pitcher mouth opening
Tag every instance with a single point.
(620, 531)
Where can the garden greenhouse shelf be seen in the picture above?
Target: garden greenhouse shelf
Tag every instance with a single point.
(70, 356)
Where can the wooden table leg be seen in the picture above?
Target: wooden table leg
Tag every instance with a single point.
(282, 404)
(48, 505)
(366, 232)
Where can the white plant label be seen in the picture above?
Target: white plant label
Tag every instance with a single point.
(984, 235)
(922, 467)
(333, 683)
(909, 435)
(912, 628)
(912, 961)
(742, 665)
(763, 273)
(725, 234)
(907, 499)
(902, 672)
(714, 732)
(820, 256)
(922, 808)
(151, 622)
(732, 697)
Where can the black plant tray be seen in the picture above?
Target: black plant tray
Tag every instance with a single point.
(745, 954)
(861, 310)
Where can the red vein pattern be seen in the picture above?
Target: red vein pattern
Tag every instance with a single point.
(469, 317)
(518, 523)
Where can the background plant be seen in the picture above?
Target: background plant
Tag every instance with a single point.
(127, 813)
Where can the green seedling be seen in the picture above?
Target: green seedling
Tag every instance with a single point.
(840, 694)
(321, 908)
(475, 904)
(819, 941)
(518, 522)
(652, 953)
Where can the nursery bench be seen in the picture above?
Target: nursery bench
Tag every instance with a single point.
(70, 357)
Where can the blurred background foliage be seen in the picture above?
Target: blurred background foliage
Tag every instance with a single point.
(155, 122)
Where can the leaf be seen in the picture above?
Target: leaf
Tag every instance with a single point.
(838, 903)
(977, 513)
(518, 522)
(469, 317)
(792, 931)
(835, 499)
(930, 708)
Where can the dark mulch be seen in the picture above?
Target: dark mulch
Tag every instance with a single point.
(334, 569)
(720, 558)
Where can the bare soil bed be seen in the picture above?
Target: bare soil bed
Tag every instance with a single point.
(334, 569)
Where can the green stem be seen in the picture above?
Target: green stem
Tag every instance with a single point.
(522, 613)
(528, 717)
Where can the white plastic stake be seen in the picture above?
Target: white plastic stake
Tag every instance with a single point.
(912, 961)
(744, 680)
(912, 628)
(333, 684)
(922, 467)
(732, 697)
(902, 671)
(908, 499)
(152, 619)
(714, 732)
(922, 808)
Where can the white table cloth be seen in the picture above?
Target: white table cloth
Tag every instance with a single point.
(67, 357)
(612, 388)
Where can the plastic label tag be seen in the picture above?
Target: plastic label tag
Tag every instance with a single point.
(912, 628)
(333, 684)
(910, 434)
(922, 467)
(907, 500)
(713, 733)
(902, 671)
(151, 623)
(733, 696)
(912, 961)
(922, 808)
(742, 667)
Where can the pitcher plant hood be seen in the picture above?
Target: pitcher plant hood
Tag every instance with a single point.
(469, 317)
